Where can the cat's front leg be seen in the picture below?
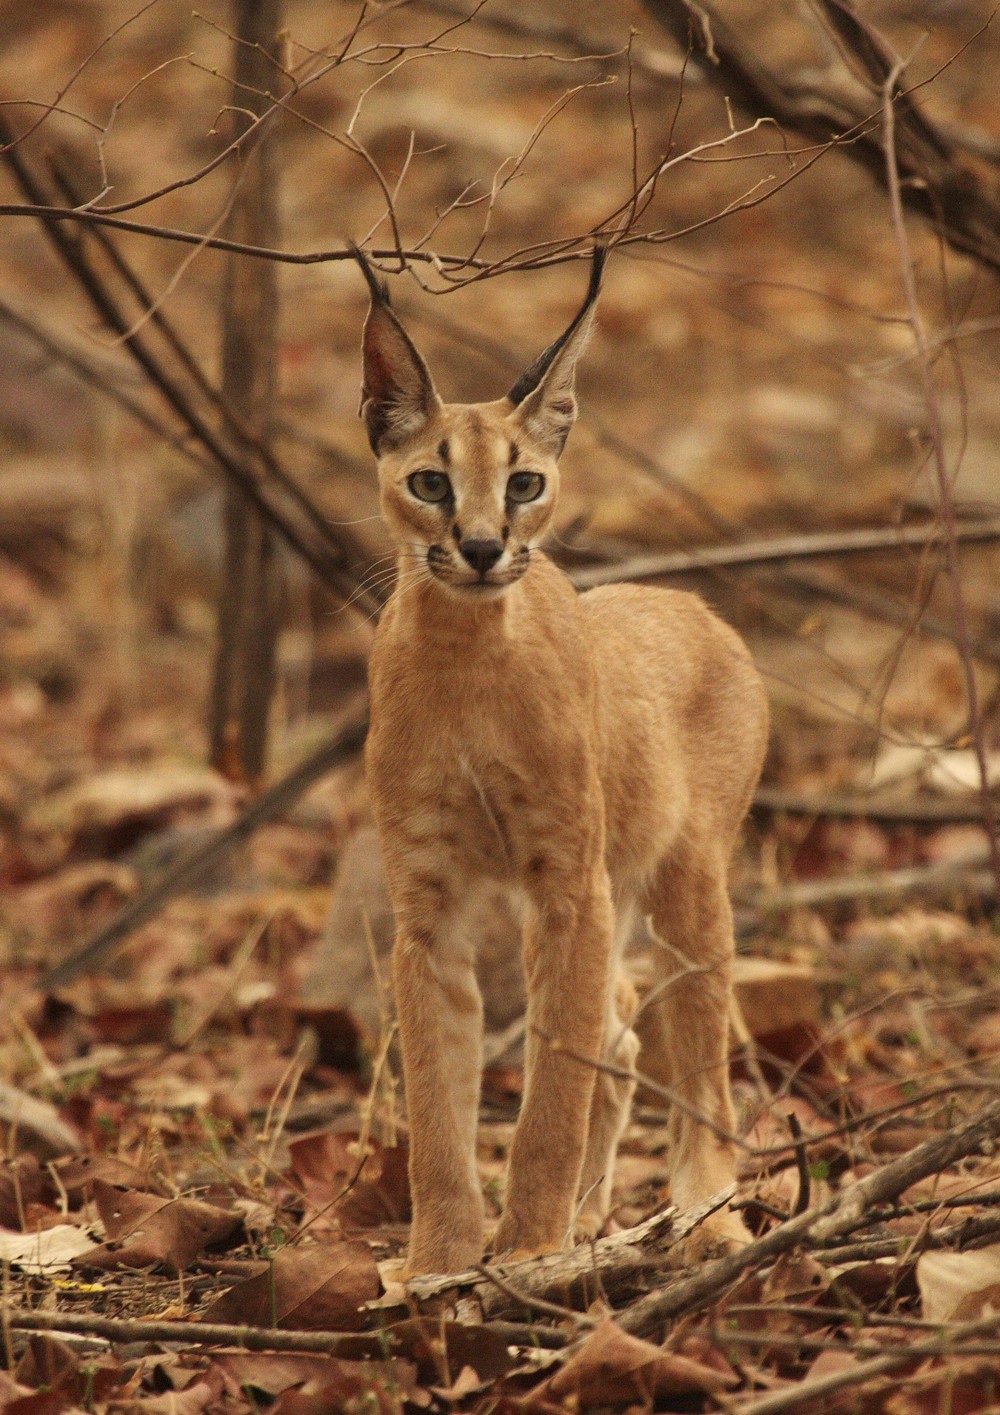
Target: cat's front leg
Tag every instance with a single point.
(568, 958)
(440, 1026)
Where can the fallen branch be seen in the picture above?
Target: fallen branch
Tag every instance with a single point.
(811, 1392)
(193, 1333)
(932, 810)
(970, 1233)
(968, 875)
(617, 1261)
(841, 1214)
(195, 864)
(865, 540)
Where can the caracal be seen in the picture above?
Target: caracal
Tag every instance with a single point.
(594, 755)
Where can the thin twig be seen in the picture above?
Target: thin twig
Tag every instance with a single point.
(801, 1164)
(278, 498)
(194, 1333)
(840, 1214)
(811, 1393)
(533, 1304)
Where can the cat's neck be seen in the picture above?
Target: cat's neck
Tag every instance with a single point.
(428, 611)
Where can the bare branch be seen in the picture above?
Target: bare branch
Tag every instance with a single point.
(935, 182)
(773, 550)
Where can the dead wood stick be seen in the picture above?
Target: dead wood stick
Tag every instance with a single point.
(869, 603)
(198, 862)
(970, 1233)
(968, 875)
(193, 1333)
(531, 24)
(798, 1341)
(810, 1393)
(933, 810)
(841, 1214)
(864, 540)
(616, 1261)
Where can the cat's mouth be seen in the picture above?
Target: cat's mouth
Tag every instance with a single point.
(489, 584)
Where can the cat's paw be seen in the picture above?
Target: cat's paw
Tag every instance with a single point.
(512, 1241)
(590, 1224)
(717, 1236)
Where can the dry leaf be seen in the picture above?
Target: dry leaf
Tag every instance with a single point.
(50, 1251)
(36, 1124)
(190, 1401)
(442, 1349)
(959, 1286)
(321, 1288)
(774, 996)
(365, 1190)
(77, 1175)
(145, 1230)
(954, 1387)
(23, 1185)
(376, 1388)
(613, 1367)
(269, 1373)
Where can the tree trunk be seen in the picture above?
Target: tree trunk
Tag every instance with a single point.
(250, 600)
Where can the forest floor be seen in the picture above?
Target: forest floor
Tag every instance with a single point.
(189, 1143)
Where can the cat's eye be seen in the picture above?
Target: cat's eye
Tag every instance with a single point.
(525, 486)
(429, 486)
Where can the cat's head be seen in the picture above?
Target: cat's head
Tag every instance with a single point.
(467, 489)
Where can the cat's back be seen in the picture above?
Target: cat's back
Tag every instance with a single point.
(681, 711)
(668, 640)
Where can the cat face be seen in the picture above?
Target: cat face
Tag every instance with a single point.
(470, 496)
(467, 490)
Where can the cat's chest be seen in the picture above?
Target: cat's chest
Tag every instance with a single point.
(482, 779)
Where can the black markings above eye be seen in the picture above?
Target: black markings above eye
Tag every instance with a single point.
(525, 486)
(429, 486)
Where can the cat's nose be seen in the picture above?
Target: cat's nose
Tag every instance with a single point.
(482, 555)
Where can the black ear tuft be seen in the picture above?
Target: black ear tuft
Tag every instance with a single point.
(536, 371)
(397, 392)
(378, 289)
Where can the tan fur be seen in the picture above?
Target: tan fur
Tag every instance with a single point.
(592, 754)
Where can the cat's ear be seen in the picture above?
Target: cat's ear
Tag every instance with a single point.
(543, 395)
(397, 393)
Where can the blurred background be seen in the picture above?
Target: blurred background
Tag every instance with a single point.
(753, 376)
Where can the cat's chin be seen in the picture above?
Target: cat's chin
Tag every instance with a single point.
(477, 591)
(482, 589)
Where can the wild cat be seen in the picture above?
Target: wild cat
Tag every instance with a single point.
(593, 754)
